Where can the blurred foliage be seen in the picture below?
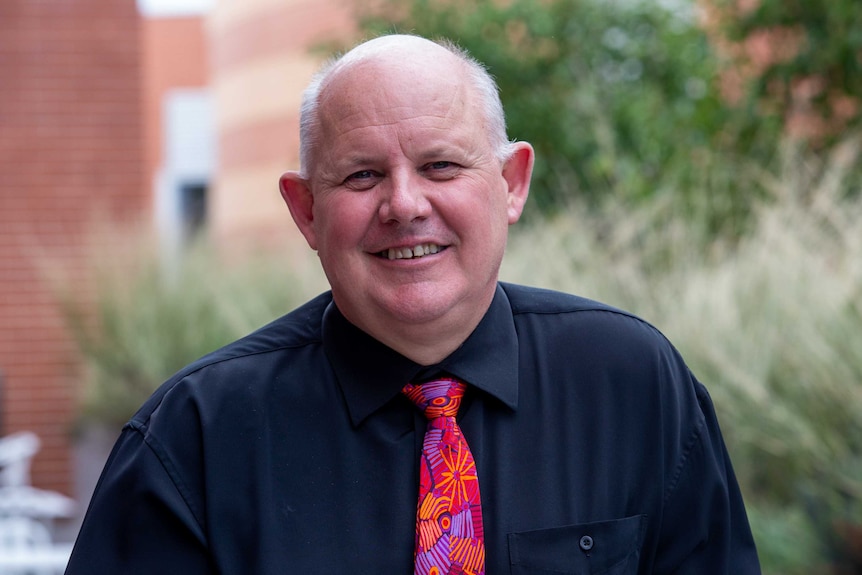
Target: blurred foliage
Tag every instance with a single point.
(769, 322)
(617, 97)
(796, 55)
(787, 542)
(147, 318)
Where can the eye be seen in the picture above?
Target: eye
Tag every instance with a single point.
(362, 180)
(441, 170)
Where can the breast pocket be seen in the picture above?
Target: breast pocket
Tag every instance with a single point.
(601, 548)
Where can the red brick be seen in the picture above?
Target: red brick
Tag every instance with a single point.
(70, 146)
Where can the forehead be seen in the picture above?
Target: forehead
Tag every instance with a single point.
(427, 93)
(394, 62)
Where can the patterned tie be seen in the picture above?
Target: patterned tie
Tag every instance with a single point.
(449, 532)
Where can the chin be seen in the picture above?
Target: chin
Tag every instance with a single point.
(416, 310)
(427, 304)
(417, 315)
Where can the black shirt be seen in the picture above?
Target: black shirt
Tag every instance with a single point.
(292, 451)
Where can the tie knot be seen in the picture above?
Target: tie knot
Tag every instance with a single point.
(437, 398)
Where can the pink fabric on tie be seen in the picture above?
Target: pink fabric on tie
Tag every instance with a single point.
(450, 538)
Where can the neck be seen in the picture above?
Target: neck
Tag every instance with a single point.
(429, 342)
(431, 347)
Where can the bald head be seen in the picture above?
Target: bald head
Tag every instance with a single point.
(402, 57)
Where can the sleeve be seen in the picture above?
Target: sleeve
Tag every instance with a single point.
(138, 520)
(704, 525)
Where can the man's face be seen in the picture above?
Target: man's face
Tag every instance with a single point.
(410, 207)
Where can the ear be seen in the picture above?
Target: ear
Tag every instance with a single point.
(517, 172)
(297, 195)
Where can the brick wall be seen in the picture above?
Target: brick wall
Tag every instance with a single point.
(261, 63)
(70, 152)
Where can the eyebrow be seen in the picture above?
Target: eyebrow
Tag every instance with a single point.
(434, 153)
(352, 162)
(443, 151)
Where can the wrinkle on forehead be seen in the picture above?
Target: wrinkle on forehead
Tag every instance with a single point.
(383, 89)
(397, 57)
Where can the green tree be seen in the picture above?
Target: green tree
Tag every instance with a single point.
(798, 60)
(617, 97)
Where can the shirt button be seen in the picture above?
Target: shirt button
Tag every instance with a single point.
(586, 543)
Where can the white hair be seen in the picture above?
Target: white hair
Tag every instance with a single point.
(480, 79)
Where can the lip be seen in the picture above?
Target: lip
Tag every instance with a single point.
(410, 252)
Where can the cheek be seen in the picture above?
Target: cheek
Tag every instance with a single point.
(492, 218)
(339, 223)
(485, 211)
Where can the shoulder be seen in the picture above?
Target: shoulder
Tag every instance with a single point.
(568, 316)
(598, 349)
(247, 363)
(527, 299)
(624, 375)
(299, 328)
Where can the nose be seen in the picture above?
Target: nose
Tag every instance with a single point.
(404, 199)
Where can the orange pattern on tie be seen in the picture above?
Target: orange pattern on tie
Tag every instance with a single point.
(449, 532)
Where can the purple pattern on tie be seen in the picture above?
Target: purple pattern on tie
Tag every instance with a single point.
(449, 531)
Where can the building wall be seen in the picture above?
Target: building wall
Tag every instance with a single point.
(174, 56)
(261, 61)
(178, 126)
(70, 153)
(83, 87)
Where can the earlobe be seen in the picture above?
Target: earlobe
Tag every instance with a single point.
(517, 172)
(297, 195)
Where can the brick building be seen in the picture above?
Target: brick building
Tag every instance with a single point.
(261, 61)
(106, 114)
(70, 148)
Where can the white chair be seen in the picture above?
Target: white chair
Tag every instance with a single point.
(26, 547)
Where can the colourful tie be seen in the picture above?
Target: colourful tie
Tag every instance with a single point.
(450, 538)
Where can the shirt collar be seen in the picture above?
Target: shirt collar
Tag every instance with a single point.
(370, 374)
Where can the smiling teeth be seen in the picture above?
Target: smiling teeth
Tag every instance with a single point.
(407, 253)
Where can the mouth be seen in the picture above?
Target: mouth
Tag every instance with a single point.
(419, 251)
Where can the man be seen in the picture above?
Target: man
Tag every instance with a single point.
(582, 443)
